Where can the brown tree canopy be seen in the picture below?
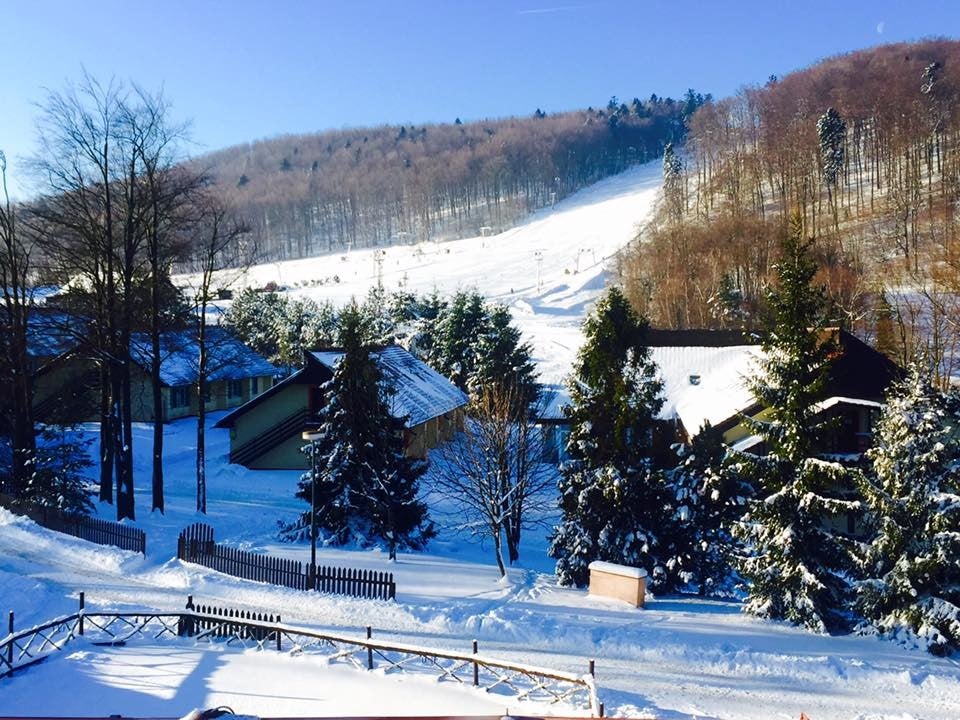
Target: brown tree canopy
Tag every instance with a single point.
(305, 195)
(864, 148)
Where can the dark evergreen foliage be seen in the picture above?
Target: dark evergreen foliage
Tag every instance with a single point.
(794, 563)
(614, 502)
(709, 497)
(911, 566)
(367, 488)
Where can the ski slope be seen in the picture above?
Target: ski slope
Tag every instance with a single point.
(548, 270)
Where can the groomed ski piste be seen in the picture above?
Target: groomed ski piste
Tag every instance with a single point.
(678, 658)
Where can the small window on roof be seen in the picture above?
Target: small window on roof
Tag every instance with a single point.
(694, 379)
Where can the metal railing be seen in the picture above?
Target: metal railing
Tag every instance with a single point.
(246, 629)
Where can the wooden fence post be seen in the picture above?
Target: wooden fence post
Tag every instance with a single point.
(278, 634)
(80, 614)
(476, 667)
(369, 649)
(10, 644)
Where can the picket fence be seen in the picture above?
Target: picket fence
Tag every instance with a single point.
(196, 545)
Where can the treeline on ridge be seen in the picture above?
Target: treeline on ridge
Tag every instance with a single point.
(305, 195)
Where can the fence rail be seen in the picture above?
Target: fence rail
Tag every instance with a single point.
(196, 544)
(263, 631)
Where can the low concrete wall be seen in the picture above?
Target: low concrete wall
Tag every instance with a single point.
(619, 582)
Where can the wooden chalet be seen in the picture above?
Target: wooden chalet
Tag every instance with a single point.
(265, 433)
(66, 379)
(705, 372)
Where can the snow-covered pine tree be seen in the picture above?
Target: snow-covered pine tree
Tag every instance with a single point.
(367, 489)
(502, 359)
(831, 133)
(793, 561)
(614, 503)
(912, 566)
(710, 497)
(458, 327)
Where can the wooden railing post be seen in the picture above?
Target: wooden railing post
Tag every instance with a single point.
(80, 615)
(369, 649)
(10, 643)
(278, 634)
(476, 666)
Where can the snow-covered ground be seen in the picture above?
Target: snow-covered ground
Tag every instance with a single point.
(678, 658)
(548, 270)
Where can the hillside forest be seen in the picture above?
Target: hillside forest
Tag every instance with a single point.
(305, 195)
(863, 149)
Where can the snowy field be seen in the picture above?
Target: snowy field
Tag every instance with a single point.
(677, 659)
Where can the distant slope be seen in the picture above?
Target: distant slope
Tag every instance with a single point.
(305, 195)
(548, 270)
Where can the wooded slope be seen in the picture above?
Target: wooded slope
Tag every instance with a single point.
(864, 147)
(305, 195)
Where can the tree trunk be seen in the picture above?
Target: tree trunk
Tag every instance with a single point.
(202, 409)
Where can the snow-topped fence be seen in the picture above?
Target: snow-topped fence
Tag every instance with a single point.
(95, 530)
(260, 631)
(196, 545)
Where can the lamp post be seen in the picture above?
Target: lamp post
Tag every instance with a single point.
(311, 436)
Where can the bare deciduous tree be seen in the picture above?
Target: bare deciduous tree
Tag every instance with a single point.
(492, 471)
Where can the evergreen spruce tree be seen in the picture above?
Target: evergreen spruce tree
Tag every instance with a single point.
(912, 565)
(503, 360)
(709, 497)
(367, 489)
(831, 133)
(614, 502)
(793, 562)
(459, 326)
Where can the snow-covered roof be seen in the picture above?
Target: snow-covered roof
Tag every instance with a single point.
(838, 400)
(420, 392)
(699, 384)
(228, 358)
(552, 400)
(702, 384)
(50, 334)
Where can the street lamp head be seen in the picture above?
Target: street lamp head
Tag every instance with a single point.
(310, 435)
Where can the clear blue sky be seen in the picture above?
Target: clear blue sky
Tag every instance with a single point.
(243, 70)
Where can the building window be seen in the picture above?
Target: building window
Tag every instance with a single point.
(234, 388)
(254, 386)
(180, 396)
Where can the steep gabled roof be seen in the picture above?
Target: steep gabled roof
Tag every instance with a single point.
(420, 393)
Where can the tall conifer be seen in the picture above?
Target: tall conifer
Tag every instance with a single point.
(614, 502)
(794, 561)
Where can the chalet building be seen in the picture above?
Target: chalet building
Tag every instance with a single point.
(66, 381)
(705, 372)
(265, 433)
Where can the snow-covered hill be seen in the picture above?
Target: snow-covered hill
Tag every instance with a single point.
(548, 270)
